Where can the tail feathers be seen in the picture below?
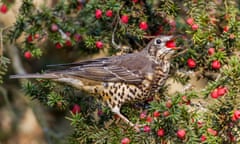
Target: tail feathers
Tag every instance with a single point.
(43, 76)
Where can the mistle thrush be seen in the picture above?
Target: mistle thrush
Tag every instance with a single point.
(116, 80)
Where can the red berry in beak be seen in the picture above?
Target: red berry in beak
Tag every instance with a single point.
(171, 44)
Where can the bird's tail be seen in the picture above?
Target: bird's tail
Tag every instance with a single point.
(26, 76)
(73, 81)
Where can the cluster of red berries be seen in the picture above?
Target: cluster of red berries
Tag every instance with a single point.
(77, 37)
(124, 18)
(98, 13)
(30, 38)
(190, 21)
(209, 131)
(215, 64)
(143, 25)
(181, 134)
(149, 119)
(218, 92)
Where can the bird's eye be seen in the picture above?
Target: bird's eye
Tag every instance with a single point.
(158, 41)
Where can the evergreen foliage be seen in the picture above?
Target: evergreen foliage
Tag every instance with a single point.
(74, 26)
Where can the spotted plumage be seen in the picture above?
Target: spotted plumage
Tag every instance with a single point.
(118, 79)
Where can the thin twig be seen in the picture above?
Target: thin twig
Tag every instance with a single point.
(115, 45)
(115, 28)
(16, 60)
(180, 53)
(1, 43)
(149, 37)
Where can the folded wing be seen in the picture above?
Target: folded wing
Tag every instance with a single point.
(130, 68)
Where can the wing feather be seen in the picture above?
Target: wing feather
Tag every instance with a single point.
(110, 69)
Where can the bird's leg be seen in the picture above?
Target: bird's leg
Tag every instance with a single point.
(116, 110)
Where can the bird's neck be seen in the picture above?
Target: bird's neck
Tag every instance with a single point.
(160, 61)
(165, 65)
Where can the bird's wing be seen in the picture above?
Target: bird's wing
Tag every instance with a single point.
(127, 68)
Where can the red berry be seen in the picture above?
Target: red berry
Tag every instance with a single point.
(125, 141)
(143, 115)
(27, 54)
(99, 44)
(98, 14)
(212, 131)
(232, 138)
(237, 114)
(191, 63)
(234, 119)
(146, 129)
(225, 28)
(221, 91)
(156, 114)
(77, 37)
(135, 1)
(200, 124)
(216, 64)
(190, 21)
(54, 27)
(194, 27)
(124, 19)
(172, 22)
(169, 104)
(184, 98)
(3, 8)
(161, 132)
(30, 38)
(58, 45)
(100, 112)
(68, 34)
(170, 44)
(36, 36)
(211, 51)
(149, 119)
(166, 113)
(76, 109)
(109, 13)
(203, 138)
(214, 94)
(68, 43)
(143, 26)
(181, 134)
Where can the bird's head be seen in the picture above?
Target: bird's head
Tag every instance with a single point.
(162, 47)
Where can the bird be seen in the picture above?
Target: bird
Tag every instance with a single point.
(116, 80)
